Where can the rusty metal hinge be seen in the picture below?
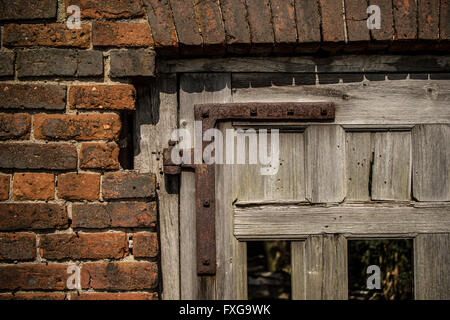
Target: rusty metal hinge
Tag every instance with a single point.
(210, 114)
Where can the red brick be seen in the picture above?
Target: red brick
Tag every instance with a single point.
(308, 21)
(33, 277)
(260, 22)
(123, 185)
(114, 296)
(188, 30)
(52, 156)
(80, 127)
(25, 96)
(28, 9)
(39, 296)
(356, 19)
(145, 245)
(109, 245)
(162, 25)
(283, 15)
(17, 246)
(428, 19)
(101, 97)
(34, 186)
(386, 33)
(46, 35)
(211, 25)
(99, 156)
(332, 21)
(4, 186)
(444, 20)
(114, 215)
(15, 126)
(109, 9)
(32, 216)
(119, 275)
(120, 34)
(405, 19)
(79, 186)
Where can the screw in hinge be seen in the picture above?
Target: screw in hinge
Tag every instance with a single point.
(290, 112)
(323, 112)
(205, 262)
(206, 204)
(205, 114)
(253, 112)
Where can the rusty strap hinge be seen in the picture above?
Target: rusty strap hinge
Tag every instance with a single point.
(210, 114)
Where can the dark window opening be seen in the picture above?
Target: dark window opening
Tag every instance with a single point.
(269, 270)
(395, 261)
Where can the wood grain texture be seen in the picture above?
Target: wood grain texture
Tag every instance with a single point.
(156, 117)
(253, 222)
(399, 102)
(391, 177)
(359, 157)
(298, 275)
(432, 266)
(431, 162)
(325, 164)
(195, 89)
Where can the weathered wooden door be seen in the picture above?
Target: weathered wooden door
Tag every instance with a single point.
(380, 170)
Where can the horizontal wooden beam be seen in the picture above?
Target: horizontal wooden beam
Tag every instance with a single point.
(270, 221)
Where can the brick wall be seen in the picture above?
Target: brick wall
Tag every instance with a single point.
(65, 95)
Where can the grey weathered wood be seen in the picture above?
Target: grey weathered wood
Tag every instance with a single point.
(156, 117)
(432, 266)
(298, 275)
(325, 164)
(391, 177)
(324, 266)
(298, 222)
(371, 103)
(195, 89)
(431, 162)
(359, 157)
(337, 64)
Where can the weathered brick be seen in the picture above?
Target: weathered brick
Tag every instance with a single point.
(4, 186)
(145, 245)
(283, 15)
(405, 19)
(356, 20)
(33, 277)
(121, 34)
(109, 9)
(15, 126)
(34, 186)
(308, 21)
(38, 296)
(82, 127)
(114, 296)
(6, 64)
(211, 25)
(132, 63)
(32, 216)
(162, 25)
(119, 275)
(50, 62)
(17, 246)
(188, 30)
(260, 22)
(123, 185)
(386, 32)
(79, 186)
(27, 9)
(332, 21)
(101, 97)
(444, 30)
(428, 19)
(50, 156)
(46, 35)
(115, 214)
(108, 245)
(99, 156)
(26, 96)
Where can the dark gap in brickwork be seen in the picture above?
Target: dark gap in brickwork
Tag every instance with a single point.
(126, 141)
